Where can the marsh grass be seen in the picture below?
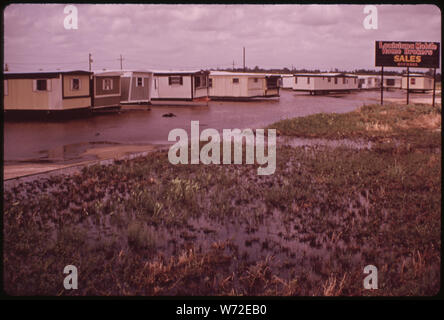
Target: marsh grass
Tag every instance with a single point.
(145, 226)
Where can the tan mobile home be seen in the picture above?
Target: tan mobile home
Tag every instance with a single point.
(322, 83)
(418, 82)
(242, 86)
(107, 89)
(47, 91)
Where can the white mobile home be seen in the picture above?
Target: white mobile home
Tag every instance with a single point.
(135, 87)
(47, 91)
(392, 82)
(418, 82)
(287, 81)
(177, 87)
(369, 81)
(321, 83)
(242, 86)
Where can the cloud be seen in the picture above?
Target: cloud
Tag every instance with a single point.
(176, 36)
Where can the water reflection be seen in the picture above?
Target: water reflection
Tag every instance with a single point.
(65, 140)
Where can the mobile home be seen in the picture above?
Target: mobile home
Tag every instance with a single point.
(321, 83)
(242, 86)
(47, 91)
(418, 82)
(287, 81)
(106, 89)
(369, 81)
(136, 87)
(392, 82)
(180, 87)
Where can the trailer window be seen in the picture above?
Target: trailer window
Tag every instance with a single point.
(210, 82)
(139, 82)
(256, 80)
(308, 80)
(336, 80)
(412, 81)
(75, 84)
(296, 80)
(175, 80)
(107, 84)
(329, 79)
(235, 80)
(41, 85)
(390, 82)
(343, 80)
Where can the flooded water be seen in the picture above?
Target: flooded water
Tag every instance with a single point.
(66, 140)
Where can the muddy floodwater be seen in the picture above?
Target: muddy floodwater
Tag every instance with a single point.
(68, 140)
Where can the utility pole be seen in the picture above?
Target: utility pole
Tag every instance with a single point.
(90, 61)
(244, 59)
(121, 65)
(408, 84)
(6, 67)
(233, 65)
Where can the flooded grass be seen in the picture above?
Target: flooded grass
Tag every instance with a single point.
(147, 227)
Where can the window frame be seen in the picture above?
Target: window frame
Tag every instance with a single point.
(45, 81)
(142, 82)
(175, 80)
(72, 84)
(111, 87)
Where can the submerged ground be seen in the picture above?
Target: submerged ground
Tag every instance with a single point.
(349, 190)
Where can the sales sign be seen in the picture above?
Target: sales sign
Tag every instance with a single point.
(407, 54)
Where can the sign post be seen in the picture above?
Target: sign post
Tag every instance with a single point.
(408, 84)
(382, 85)
(434, 86)
(406, 54)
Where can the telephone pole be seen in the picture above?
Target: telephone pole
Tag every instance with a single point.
(233, 65)
(244, 59)
(121, 65)
(90, 61)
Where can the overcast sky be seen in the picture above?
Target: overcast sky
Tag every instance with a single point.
(208, 36)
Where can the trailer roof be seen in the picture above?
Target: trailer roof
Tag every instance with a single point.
(178, 72)
(337, 74)
(43, 74)
(417, 75)
(239, 74)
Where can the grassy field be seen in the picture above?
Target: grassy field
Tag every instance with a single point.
(147, 227)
